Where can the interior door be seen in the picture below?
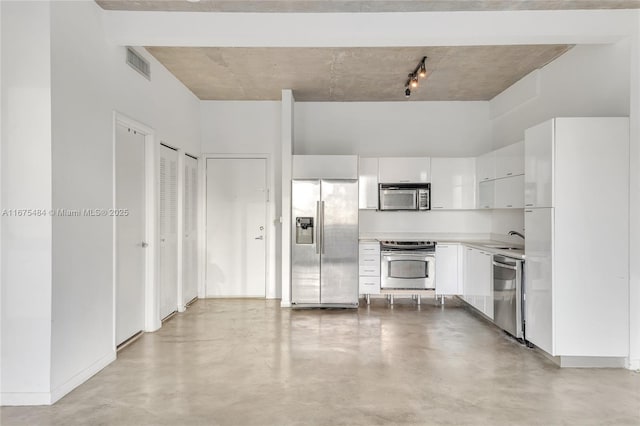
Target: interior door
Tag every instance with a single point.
(190, 231)
(130, 253)
(168, 231)
(236, 221)
(339, 242)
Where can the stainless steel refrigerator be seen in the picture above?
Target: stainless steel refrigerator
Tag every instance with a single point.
(324, 243)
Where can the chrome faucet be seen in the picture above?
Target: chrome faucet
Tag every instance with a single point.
(516, 233)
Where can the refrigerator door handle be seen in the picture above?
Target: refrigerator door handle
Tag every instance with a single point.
(317, 227)
(322, 227)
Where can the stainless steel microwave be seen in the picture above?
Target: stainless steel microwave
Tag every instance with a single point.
(404, 197)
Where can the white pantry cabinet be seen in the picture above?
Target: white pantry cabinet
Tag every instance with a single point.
(448, 269)
(404, 169)
(577, 249)
(486, 194)
(486, 167)
(509, 193)
(368, 183)
(510, 160)
(369, 267)
(453, 183)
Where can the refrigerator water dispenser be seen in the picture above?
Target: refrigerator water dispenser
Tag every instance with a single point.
(304, 230)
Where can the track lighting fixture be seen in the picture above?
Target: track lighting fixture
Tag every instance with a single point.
(412, 81)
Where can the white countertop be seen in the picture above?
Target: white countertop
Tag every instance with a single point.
(481, 241)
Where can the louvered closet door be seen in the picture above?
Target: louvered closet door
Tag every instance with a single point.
(168, 231)
(190, 231)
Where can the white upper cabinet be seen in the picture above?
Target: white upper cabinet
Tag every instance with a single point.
(404, 170)
(486, 191)
(486, 167)
(453, 183)
(324, 167)
(509, 193)
(368, 183)
(510, 160)
(539, 142)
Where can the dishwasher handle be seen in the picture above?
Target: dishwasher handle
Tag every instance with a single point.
(504, 265)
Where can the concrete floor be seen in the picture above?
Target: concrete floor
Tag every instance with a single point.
(248, 362)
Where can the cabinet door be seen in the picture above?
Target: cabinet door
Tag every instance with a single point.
(486, 191)
(509, 193)
(538, 231)
(467, 283)
(510, 160)
(368, 183)
(404, 170)
(472, 278)
(486, 167)
(539, 165)
(447, 282)
(485, 280)
(453, 183)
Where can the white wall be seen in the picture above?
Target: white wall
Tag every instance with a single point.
(588, 80)
(247, 127)
(466, 222)
(26, 184)
(61, 83)
(437, 129)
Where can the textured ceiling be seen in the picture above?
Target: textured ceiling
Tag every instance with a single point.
(362, 5)
(352, 74)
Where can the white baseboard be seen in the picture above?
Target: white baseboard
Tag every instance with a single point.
(285, 304)
(633, 364)
(82, 377)
(24, 398)
(592, 362)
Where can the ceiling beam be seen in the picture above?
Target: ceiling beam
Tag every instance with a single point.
(369, 29)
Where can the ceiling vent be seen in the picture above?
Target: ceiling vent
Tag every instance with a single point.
(138, 63)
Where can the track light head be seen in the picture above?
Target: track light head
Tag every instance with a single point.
(423, 71)
(420, 71)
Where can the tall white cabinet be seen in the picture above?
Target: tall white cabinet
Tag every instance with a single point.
(577, 236)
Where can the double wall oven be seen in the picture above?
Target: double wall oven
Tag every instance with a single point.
(407, 265)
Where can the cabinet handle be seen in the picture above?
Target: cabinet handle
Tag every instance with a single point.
(528, 211)
(509, 174)
(369, 270)
(438, 207)
(529, 205)
(509, 205)
(405, 181)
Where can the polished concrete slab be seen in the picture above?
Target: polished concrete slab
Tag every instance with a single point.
(248, 362)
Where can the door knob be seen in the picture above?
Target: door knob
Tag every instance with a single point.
(259, 238)
(144, 245)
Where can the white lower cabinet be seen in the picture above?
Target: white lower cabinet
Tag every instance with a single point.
(478, 280)
(449, 269)
(369, 267)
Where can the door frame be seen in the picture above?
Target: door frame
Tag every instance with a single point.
(270, 249)
(151, 300)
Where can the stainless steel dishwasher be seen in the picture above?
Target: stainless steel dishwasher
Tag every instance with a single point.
(507, 295)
